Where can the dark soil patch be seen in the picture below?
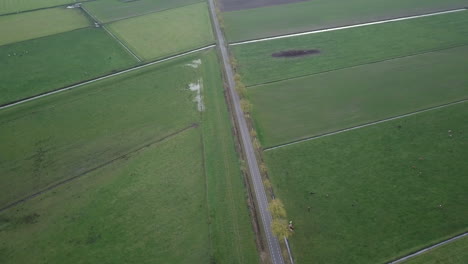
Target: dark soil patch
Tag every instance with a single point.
(234, 5)
(295, 53)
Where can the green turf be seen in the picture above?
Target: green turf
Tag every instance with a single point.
(289, 110)
(64, 135)
(345, 48)
(30, 25)
(180, 29)
(14, 6)
(376, 193)
(148, 207)
(454, 253)
(40, 65)
(111, 10)
(310, 15)
(231, 234)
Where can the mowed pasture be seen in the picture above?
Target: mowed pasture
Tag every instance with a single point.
(15, 6)
(290, 110)
(454, 253)
(318, 14)
(112, 10)
(36, 24)
(178, 30)
(350, 47)
(40, 65)
(378, 193)
(154, 186)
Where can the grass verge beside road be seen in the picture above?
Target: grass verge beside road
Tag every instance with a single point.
(317, 14)
(41, 23)
(294, 109)
(36, 66)
(378, 193)
(180, 29)
(350, 47)
(453, 253)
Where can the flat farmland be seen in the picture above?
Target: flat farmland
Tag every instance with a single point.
(30, 25)
(303, 107)
(36, 66)
(180, 29)
(378, 193)
(268, 61)
(453, 253)
(112, 10)
(14, 6)
(317, 14)
(160, 180)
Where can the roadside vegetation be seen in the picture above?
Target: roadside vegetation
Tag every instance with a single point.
(378, 193)
(36, 66)
(41, 23)
(453, 253)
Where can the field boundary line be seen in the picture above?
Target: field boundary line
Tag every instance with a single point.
(124, 156)
(348, 26)
(147, 13)
(71, 87)
(43, 8)
(366, 124)
(360, 65)
(97, 23)
(429, 248)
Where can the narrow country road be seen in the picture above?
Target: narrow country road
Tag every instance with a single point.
(260, 195)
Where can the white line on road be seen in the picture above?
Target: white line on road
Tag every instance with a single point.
(429, 248)
(105, 77)
(346, 27)
(366, 125)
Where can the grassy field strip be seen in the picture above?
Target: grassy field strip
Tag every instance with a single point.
(172, 36)
(453, 253)
(40, 23)
(122, 44)
(104, 77)
(19, 6)
(366, 125)
(430, 248)
(123, 156)
(346, 27)
(108, 11)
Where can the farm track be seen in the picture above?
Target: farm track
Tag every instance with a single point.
(347, 27)
(71, 87)
(121, 157)
(366, 124)
(254, 171)
(422, 251)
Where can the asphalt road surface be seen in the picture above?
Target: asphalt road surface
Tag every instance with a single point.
(260, 195)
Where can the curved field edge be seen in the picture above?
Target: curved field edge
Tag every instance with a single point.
(350, 47)
(295, 109)
(375, 194)
(318, 14)
(41, 65)
(453, 253)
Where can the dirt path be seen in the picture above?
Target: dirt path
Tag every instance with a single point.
(347, 27)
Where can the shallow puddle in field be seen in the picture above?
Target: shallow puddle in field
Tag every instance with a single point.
(197, 88)
(195, 63)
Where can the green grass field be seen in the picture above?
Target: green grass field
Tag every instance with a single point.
(350, 47)
(30, 25)
(289, 110)
(377, 193)
(310, 15)
(40, 65)
(178, 30)
(14, 6)
(179, 200)
(453, 253)
(111, 10)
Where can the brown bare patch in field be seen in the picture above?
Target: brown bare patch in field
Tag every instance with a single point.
(295, 53)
